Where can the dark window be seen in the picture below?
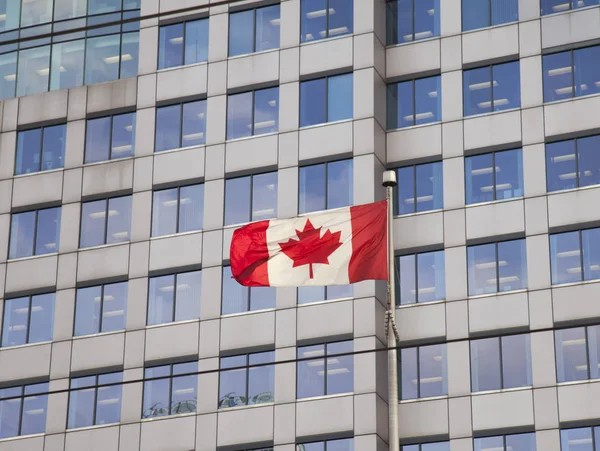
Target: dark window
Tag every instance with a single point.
(516, 442)
(436, 446)
(345, 444)
(28, 319)
(327, 99)
(412, 20)
(250, 198)
(580, 439)
(247, 386)
(577, 353)
(491, 88)
(40, 149)
(420, 188)
(307, 295)
(170, 389)
(321, 19)
(557, 6)
(575, 256)
(252, 113)
(487, 13)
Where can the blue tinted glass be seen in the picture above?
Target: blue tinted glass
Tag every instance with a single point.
(93, 221)
(194, 124)
(506, 86)
(232, 384)
(108, 401)
(433, 379)
(482, 269)
(485, 365)
(22, 229)
(504, 11)
(561, 164)
(565, 258)
(29, 147)
(429, 187)
(266, 111)
(239, 115)
(399, 17)
(48, 231)
(427, 19)
(486, 443)
(439, 446)
(119, 220)
(431, 276)
(156, 392)
(339, 184)
(406, 190)
(509, 174)
(102, 59)
(81, 406)
(67, 64)
(516, 361)
(267, 28)
(314, 446)
(191, 208)
(114, 307)
(237, 200)
(41, 321)
(310, 377)
(10, 411)
(312, 20)
(35, 409)
(479, 178)
(340, 369)
(312, 102)
(160, 299)
(235, 296)
(184, 396)
(400, 101)
(589, 161)
(123, 136)
(406, 265)
(312, 188)
(339, 291)
(477, 91)
(261, 379)
(310, 294)
(170, 46)
(554, 6)
(571, 355)
(576, 439)
(557, 72)
(12, 10)
(241, 33)
(428, 100)
(187, 297)
(168, 128)
(67, 9)
(196, 41)
(130, 48)
(341, 22)
(53, 147)
(33, 72)
(8, 74)
(262, 298)
(87, 311)
(36, 12)
(512, 265)
(590, 243)
(587, 70)
(15, 324)
(103, 6)
(594, 354)
(97, 140)
(339, 97)
(475, 14)
(346, 444)
(164, 212)
(264, 196)
(409, 374)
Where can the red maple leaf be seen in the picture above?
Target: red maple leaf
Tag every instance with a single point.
(311, 247)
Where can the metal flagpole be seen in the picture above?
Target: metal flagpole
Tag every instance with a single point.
(389, 181)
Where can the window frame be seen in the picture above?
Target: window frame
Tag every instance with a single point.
(494, 176)
(504, 436)
(170, 378)
(325, 293)
(326, 191)
(489, 17)
(96, 386)
(29, 307)
(413, 83)
(413, 14)
(174, 310)
(177, 219)
(101, 315)
(557, 343)
(420, 446)
(326, 100)
(184, 23)
(180, 133)
(41, 162)
(577, 164)
(350, 32)
(490, 80)
(594, 436)
(35, 232)
(110, 137)
(254, 9)
(22, 397)
(248, 291)
(418, 371)
(106, 219)
(324, 442)
(398, 272)
(252, 116)
(396, 206)
(251, 194)
(582, 264)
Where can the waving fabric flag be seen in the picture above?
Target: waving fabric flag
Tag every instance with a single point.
(334, 247)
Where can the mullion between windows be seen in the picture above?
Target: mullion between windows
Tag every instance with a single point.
(106, 213)
(491, 89)
(21, 411)
(110, 138)
(247, 370)
(587, 353)
(326, 185)
(35, 227)
(414, 169)
(414, 102)
(580, 233)
(185, 24)
(325, 353)
(497, 266)
(254, 32)
(413, 27)
(101, 309)
(174, 297)
(326, 19)
(171, 377)
(178, 209)
(418, 372)
(181, 125)
(41, 148)
(494, 192)
(416, 279)
(489, 13)
(327, 94)
(95, 403)
(252, 121)
(577, 179)
(572, 54)
(500, 362)
(29, 318)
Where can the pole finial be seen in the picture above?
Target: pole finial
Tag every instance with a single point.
(389, 179)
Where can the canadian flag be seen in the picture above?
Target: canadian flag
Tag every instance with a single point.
(334, 247)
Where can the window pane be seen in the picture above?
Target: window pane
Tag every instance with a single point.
(427, 18)
(311, 373)
(590, 240)
(261, 379)
(8, 74)
(34, 71)
(587, 70)
(428, 99)
(103, 6)
(130, 50)
(119, 220)
(576, 439)
(35, 409)
(509, 174)
(482, 269)
(477, 91)
(594, 351)
(164, 212)
(108, 404)
(409, 373)
(102, 59)
(341, 22)
(558, 76)
(170, 46)
(81, 406)
(123, 135)
(400, 102)
(168, 128)
(429, 187)
(340, 369)
(262, 298)
(14, 328)
(479, 178)
(553, 6)
(22, 231)
(237, 200)
(589, 160)
(232, 384)
(339, 291)
(53, 147)
(29, 147)
(408, 279)
(196, 41)
(67, 64)
(194, 124)
(160, 299)
(187, 299)
(504, 11)
(48, 231)
(97, 140)
(266, 111)
(315, 446)
(339, 96)
(432, 371)
(571, 355)
(41, 322)
(506, 86)
(406, 190)
(521, 442)
(114, 307)
(87, 311)
(485, 364)
(241, 33)
(512, 265)
(339, 184)
(93, 218)
(191, 208)
(67, 9)
(156, 392)
(439, 446)
(313, 100)
(487, 443)
(235, 296)
(431, 273)
(313, 20)
(310, 294)
(561, 172)
(239, 115)
(399, 17)
(185, 388)
(267, 28)
(565, 256)
(312, 188)
(12, 10)
(516, 361)
(9, 414)
(36, 12)
(475, 14)
(264, 196)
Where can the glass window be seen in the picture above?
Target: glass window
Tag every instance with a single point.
(11, 10)
(324, 186)
(67, 9)
(307, 295)
(414, 102)
(247, 386)
(345, 444)
(435, 446)
(237, 298)
(105, 221)
(494, 176)
(103, 6)
(557, 6)
(251, 198)
(183, 43)
(130, 43)
(326, 100)
(420, 188)
(323, 370)
(423, 372)
(34, 71)
(170, 389)
(26, 414)
(29, 319)
(34, 233)
(492, 88)
(95, 400)
(175, 297)
(110, 137)
(178, 210)
(40, 149)
(102, 59)
(578, 68)
(501, 362)
(321, 19)
(255, 30)
(8, 73)
(67, 64)
(35, 12)
(580, 439)
(101, 308)
(577, 353)
(575, 256)
(411, 20)
(420, 278)
(180, 125)
(516, 442)
(497, 267)
(572, 164)
(252, 113)
(487, 13)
